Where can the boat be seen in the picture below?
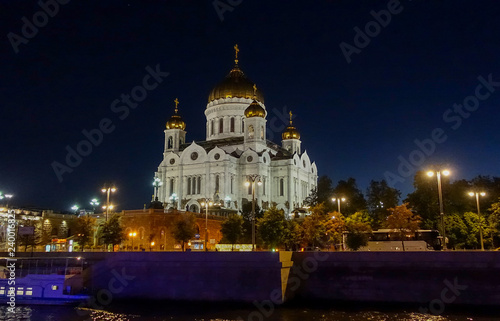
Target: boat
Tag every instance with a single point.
(32, 282)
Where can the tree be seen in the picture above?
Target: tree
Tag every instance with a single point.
(314, 226)
(381, 197)
(84, 232)
(184, 228)
(292, 235)
(32, 240)
(494, 222)
(232, 229)
(358, 227)
(321, 194)
(404, 221)
(424, 200)
(112, 231)
(335, 227)
(246, 215)
(355, 199)
(272, 227)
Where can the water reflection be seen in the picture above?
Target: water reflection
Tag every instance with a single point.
(205, 312)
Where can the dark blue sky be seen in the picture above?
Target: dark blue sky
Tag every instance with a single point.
(356, 119)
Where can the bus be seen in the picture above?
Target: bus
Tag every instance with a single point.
(390, 240)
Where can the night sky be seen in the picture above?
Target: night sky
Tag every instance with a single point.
(357, 119)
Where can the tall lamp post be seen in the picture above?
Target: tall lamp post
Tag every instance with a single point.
(108, 190)
(477, 194)
(206, 204)
(440, 194)
(7, 196)
(132, 235)
(338, 200)
(251, 179)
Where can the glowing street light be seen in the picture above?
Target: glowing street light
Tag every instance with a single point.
(206, 204)
(157, 183)
(440, 194)
(94, 202)
(338, 200)
(132, 235)
(251, 179)
(477, 194)
(75, 208)
(108, 190)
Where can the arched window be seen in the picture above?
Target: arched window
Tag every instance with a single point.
(282, 185)
(170, 142)
(189, 185)
(217, 183)
(212, 127)
(250, 131)
(262, 132)
(199, 185)
(181, 141)
(193, 187)
(242, 126)
(264, 186)
(171, 186)
(232, 179)
(221, 125)
(232, 125)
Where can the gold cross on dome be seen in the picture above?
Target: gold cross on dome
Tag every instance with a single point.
(254, 89)
(176, 101)
(236, 49)
(290, 113)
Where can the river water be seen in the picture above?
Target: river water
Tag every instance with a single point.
(228, 312)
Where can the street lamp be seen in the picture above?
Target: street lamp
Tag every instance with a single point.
(440, 194)
(251, 179)
(157, 183)
(108, 190)
(94, 202)
(477, 194)
(75, 208)
(338, 200)
(173, 199)
(206, 204)
(151, 245)
(132, 235)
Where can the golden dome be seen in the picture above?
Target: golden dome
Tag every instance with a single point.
(176, 122)
(255, 110)
(290, 132)
(236, 84)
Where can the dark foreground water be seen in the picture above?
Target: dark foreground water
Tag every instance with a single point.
(228, 312)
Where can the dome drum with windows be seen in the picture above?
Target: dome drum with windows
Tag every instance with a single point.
(176, 122)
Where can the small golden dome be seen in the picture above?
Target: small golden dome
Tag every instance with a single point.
(236, 84)
(255, 110)
(290, 132)
(176, 122)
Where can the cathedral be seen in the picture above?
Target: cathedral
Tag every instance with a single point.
(235, 152)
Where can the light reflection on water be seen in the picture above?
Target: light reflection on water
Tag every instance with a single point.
(62, 313)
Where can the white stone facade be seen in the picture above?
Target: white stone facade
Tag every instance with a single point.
(235, 147)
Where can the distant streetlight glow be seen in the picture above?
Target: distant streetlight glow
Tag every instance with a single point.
(438, 173)
(338, 200)
(477, 194)
(108, 190)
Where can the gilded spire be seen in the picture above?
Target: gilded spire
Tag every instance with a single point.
(290, 113)
(176, 101)
(254, 91)
(236, 50)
